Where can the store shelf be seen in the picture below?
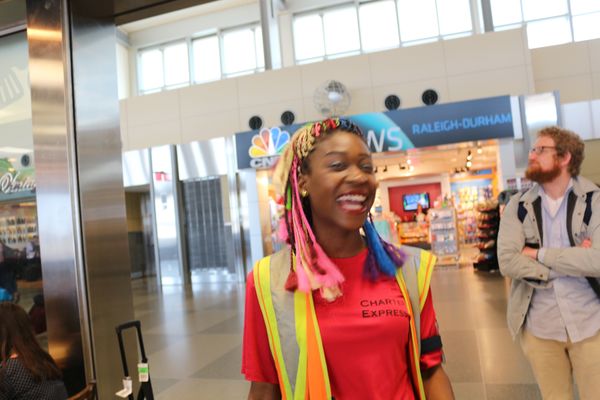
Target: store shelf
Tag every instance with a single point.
(488, 222)
(17, 231)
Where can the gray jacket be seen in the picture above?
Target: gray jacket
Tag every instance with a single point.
(527, 273)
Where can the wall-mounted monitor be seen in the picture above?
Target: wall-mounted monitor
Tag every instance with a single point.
(411, 200)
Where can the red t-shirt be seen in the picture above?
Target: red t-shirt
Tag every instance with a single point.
(365, 337)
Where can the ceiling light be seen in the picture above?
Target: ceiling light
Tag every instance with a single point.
(411, 168)
(408, 161)
(479, 150)
(469, 163)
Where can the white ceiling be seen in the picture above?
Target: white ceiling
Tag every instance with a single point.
(203, 9)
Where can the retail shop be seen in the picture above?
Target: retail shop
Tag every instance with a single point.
(440, 169)
(20, 275)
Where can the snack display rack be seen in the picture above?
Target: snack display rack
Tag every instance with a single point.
(411, 233)
(444, 235)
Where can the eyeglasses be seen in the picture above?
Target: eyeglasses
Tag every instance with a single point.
(540, 149)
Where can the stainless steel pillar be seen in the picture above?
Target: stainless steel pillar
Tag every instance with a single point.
(166, 196)
(81, 207)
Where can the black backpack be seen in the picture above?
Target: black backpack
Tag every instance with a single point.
(587, 216)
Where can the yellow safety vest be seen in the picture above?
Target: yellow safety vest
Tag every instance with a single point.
(293, 329)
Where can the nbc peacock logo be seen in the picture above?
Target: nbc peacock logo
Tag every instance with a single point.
(266, 145)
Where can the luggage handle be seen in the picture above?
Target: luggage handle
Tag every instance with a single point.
(127, 325)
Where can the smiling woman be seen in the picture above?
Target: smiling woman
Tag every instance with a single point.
(331, 315)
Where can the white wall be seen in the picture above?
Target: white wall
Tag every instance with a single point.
(573, 69)
(467, 68)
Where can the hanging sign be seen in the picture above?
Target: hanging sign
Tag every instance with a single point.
(397, 130)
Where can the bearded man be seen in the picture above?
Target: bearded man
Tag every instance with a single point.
(551, 250)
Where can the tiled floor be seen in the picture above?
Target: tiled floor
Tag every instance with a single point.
(193, 338)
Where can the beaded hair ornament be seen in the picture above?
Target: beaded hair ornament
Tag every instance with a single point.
(311, 268)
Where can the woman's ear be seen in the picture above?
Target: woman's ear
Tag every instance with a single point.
(302, 182)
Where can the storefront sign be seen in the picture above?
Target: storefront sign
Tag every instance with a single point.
(15, 183)
(397, 130)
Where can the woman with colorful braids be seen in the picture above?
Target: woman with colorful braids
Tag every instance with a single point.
(339, 313)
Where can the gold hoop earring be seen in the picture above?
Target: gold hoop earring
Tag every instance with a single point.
(304, 193)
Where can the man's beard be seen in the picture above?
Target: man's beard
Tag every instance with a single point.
(535, 173)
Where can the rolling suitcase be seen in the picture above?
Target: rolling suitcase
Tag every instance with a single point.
(144, 376)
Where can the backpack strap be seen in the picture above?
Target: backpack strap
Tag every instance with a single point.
(521, 211)
(587, 215)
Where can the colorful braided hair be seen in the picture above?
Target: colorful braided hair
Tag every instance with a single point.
(311, 268)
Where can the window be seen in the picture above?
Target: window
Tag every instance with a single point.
(549, 22)
(151, 71)
(176, 65)
(377, 25)
(586, 19)
(454, 17)
(207, 59)
(506, 12)
(586, 27)
(309, 42)
(203, 59)
(323, 35)
(165, 67)
(548, 32)
(418, 19)
(241, 51)
(538, 9)
(341, 37)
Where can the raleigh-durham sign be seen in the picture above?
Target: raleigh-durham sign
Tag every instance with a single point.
(464, 121)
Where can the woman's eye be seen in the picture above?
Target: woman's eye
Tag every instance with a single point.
(337, 165)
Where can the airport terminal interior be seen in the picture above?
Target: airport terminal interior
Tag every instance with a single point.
(137, 140)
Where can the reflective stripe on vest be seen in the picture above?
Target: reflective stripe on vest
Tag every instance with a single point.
(293, 331)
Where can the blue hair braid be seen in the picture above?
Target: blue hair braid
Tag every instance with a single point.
(377, 249)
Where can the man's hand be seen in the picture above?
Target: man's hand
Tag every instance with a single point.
(530, 252)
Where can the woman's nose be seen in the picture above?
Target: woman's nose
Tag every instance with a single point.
(357, 174)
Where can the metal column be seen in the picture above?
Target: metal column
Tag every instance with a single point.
(80, 198)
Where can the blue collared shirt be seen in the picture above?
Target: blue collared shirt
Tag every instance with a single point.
(568, 308)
